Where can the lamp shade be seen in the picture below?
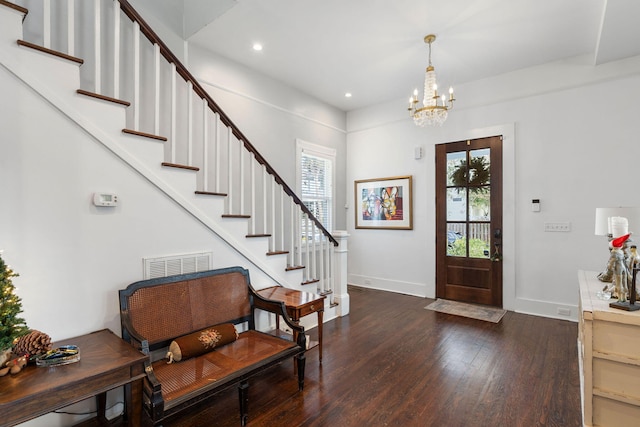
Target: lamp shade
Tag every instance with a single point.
(619, 220)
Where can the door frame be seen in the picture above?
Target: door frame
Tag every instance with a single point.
(508, 201)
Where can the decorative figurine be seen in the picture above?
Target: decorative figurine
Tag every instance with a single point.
(618, 268)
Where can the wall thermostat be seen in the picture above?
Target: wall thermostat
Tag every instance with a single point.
(535, 205)
(105, 199)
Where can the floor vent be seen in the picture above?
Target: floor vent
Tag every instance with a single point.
(176, 264)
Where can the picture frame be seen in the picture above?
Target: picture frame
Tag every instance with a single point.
(384, 203)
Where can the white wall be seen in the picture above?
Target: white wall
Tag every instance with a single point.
(574, 148)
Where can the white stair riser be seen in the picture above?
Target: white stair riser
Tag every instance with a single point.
(11, 24)
(112, 116)
(58, 74)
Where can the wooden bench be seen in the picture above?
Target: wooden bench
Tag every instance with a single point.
(155, 312)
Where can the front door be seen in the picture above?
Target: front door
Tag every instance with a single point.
(469, 221)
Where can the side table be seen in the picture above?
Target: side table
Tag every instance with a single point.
(106, 362)
(298, 304)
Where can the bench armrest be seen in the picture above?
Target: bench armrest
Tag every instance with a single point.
(130, 335)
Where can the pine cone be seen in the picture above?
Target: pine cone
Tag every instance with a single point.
(35, 342)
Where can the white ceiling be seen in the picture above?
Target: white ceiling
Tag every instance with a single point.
(375, 49)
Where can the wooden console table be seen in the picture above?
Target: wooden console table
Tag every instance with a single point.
(298, 304)
(106, 362)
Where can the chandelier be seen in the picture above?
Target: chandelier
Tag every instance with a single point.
(434, 108)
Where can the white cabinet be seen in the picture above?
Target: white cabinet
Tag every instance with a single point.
(609, 351)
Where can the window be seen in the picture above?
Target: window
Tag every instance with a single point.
(315, 180)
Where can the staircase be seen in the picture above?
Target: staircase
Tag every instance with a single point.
(103, 67)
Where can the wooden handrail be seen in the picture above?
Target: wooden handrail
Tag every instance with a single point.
(202, 93)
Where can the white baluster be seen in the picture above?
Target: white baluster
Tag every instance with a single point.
(230, 191)
(173, 112)
(320, 255)
(299, 231)
(116, 49)
(217, 148)
(293, 254)
(189, 123)
(136, 76)
(46, 24)
(252, 193)
(307, 232)
(156, 90)
(274, 246)
(205, 145)
(281, 213)
(96, 47)
(332, 272)
(71, 27)
(314, 251)
(265, 217)
(242, 178)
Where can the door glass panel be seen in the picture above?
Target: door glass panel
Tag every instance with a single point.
(479, 167)
(457, 204)
(456, 240)
(479, 240)
(480, 203)
(457, 168)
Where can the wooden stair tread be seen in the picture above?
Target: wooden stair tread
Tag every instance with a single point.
(103, 97)
(308, 282)
(51, 52)
(235, 216)
(179, 166)
(210, 193)
(294, 267)
(144, 134)
(257, 235)
(277, 253)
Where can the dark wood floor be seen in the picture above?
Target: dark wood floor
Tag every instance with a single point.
(390, 362)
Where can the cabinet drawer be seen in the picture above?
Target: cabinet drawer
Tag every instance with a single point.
(310, 308)
(611, 413)
(616, 377)
(616, 338)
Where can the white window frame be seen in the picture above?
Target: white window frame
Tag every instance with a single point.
(323, 152)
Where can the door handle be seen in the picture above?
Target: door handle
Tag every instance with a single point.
(497, 234)
(497, 254)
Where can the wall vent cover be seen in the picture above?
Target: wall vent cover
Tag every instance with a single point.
(176, 264)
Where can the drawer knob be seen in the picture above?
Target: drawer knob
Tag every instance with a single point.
(313, 307)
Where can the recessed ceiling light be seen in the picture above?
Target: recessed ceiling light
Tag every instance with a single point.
(347, 95)
(257, 47)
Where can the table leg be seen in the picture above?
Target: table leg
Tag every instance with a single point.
(133, 401)
(101, 401)
(320, 315)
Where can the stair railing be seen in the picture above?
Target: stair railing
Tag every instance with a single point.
(162, 101)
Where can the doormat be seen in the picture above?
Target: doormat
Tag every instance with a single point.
(479, 312)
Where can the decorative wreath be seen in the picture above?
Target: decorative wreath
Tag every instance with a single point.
(477, 174)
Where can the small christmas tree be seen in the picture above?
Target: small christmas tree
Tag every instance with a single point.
(11, 326)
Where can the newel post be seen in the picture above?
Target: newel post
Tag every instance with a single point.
(341, 294)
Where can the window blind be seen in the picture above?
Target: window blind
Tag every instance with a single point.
(316, 187)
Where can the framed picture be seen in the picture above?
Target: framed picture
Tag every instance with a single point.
(384, 203)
